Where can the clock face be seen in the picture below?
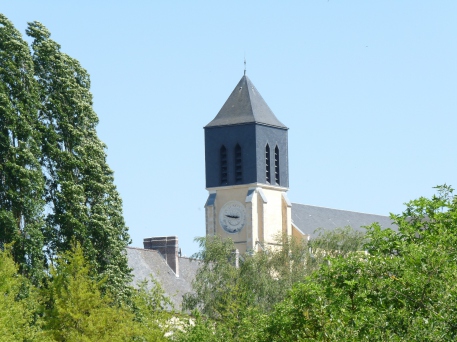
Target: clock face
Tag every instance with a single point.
(232, 217)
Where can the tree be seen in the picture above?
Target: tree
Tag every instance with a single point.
(263, 278)
(219, 295)
(77, 310)
(403, 289)
(153, 320)
(235, 302)
(82, 200)
(217, 279)
(21, 180)
(340, 241)
(18, 305)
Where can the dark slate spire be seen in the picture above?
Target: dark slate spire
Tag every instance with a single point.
(245, 105)
(236, 142)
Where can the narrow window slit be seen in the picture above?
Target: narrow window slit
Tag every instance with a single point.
(277, 165)
(223, 156)
(267, 164)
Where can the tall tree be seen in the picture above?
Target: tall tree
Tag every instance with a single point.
(83, 202)
(21, 180)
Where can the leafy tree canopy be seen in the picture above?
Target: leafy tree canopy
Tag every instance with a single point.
(21, 179)
(82, 199)
(403, 289)
(19, 304)
(234, 301)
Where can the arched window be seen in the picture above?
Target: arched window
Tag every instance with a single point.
(238, 164)
(277, 165)
(267, 164)
(223, 157)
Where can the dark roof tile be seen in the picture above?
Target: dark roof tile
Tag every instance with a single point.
(245, 105)
(147, 262)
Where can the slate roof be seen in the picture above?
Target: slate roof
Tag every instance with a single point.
(245, 105)
(308, 218)
(147, 262)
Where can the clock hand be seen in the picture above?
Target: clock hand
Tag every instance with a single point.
(232, 216)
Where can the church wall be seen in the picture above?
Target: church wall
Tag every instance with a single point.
(273, 216)
(261, 221)
(286, 216)
(252, 222)
(211, 220)
(267, 214)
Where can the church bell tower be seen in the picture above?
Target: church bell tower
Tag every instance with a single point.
(247, 171)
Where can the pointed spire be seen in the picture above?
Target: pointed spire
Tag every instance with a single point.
(245, 105)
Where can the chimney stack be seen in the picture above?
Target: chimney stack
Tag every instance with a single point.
(168, 247)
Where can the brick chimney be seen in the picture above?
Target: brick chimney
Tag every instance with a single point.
(168, 247)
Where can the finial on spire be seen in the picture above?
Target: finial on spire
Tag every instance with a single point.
(244, 64)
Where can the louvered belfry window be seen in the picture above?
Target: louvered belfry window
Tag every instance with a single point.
(223, 156)
(267, 164)
(238, 164)
(277, 165)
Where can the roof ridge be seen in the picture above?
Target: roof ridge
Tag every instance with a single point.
(145, 249)
(189, 258)
(352, 211)
(246, 79)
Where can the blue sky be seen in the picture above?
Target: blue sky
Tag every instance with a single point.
(368, 90)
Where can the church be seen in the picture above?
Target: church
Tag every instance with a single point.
(247, 179)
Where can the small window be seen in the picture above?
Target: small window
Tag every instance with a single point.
(223, 156)
(267, 164)
(238, 165)
(277, 165)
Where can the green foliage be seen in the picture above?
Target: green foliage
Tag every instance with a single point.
(267, 275)
(77, 310)
(152, 319)
(403, 290)
(18, 305)
(340, 241)
(83, 203)
(72, 306)
(220, 294)
(197, 329)
(217, 281)
(21, 181)
(264, 278)
(235, 302)
(201, 328)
